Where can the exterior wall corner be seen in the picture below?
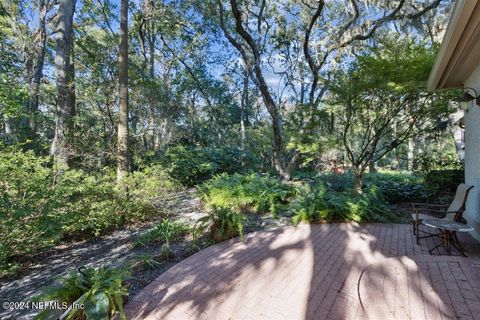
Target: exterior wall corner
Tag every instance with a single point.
(472, 155)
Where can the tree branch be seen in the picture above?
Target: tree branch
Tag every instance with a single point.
(306, 51)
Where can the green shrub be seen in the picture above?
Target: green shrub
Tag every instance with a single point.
(337, 182)
(150, 183)
(39, 208)
(25, 190)
(88, 204)
(250, 192)
(395, 186)
(400, 186)
(189, 165)
(370, 206)
(400, 177)
(223, 224)
(319, 205)
(194, 165)
(310, 206)
(426, 163)
(397, 192)
(446, 180)
(101, 292)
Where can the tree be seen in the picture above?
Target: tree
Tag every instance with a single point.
(30, 44)
(244, 105)
(195, 71)
(34, 62)
(11, 93)
(381, 101)
(122, 151)
(61, 146)
(303, 39)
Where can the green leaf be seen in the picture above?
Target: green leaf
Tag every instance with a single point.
(96, 308)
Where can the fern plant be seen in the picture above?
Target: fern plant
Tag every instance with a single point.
(318, 205)
(310, 206)
(367, 207)
(100, 291)
(251, 192)
(223, 224)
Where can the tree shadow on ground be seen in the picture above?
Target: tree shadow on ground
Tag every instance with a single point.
(306, 272)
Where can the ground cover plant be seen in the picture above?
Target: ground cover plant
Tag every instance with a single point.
(242, 193)
(395, 186)
(100, 291)
(222, 224)
(329, 200)
(319, 205)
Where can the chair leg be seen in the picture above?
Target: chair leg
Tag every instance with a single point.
(417, 231)
(457, 245)
(413, 225)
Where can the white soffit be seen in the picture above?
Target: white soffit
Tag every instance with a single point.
(459, 53)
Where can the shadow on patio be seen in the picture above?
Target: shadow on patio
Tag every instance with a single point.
(314, 272)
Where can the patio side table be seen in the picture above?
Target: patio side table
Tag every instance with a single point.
(448, 230)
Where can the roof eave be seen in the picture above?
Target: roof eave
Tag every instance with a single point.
(459, 19)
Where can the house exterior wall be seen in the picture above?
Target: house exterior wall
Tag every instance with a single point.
(472, 154)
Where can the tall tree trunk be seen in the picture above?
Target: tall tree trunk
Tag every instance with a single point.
(410, 154)
(396, 151)
(410, 148)
(358, 182)
(255, 63)
(122, 151)
(36, 72)
(398, 159)
(152, 124)
(151, 44)
(193, 113)
(9, 130)
(277, 147)
(61, 146)
(243, 106)
(372, 165)
(372, 168)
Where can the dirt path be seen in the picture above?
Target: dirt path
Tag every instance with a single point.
(115, 249)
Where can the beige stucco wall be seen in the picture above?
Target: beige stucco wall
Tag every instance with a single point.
(472, 154)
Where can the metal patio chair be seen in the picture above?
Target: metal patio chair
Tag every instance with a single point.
(452, 212)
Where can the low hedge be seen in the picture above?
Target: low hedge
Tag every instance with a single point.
(445, 180)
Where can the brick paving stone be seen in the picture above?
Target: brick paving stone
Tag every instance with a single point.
(330, 271)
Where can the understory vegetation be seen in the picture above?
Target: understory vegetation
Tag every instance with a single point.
(328, 199)
(40, 208)
(242, 193)
(101, 291)
(223, 223)
(318, 205)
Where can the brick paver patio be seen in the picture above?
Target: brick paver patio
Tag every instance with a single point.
(334, 271)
